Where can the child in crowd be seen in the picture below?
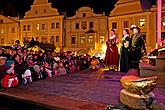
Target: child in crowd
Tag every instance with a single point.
(95, 63)
(62, 70)
(27, 76)
(10, 79)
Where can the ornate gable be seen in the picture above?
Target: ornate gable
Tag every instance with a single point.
(41, 8)
(124, 7)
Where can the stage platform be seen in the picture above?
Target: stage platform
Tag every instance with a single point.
(87, 90)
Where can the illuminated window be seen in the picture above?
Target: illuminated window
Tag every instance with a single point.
(73, 40)
(102, 39)
(12, 30)
(163, 21)
(114, 25)
(38, 26)
(57, 25)
(90, 39)
(77, 25)
(2, 31)
(91, 25)
(28, 27)
(82, 40)
(43, 26)
(53, 26)
(57, 38)
(142, 22)
(24, 28)
(2, 41)
(126, 24)
(52, 39)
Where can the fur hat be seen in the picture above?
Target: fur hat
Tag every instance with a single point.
(134, 27)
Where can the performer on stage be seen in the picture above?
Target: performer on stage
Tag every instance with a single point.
(137, 47)
(124, 54)
(112, 57)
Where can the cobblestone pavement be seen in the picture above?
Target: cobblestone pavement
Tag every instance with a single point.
(87, 90)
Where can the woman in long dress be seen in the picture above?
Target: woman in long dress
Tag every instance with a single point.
(124, 54)
(112, 57)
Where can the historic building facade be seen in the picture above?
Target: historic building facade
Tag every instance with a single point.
(129, 12)
(43, 23)
(86, 30)
(9, 30)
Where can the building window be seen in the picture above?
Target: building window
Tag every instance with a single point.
(42, 39)
(38, 26)
(102, 39)
(91, 25)
(24, 28)
(73, 40)
(82, 40)
(36, 11)
(114, 25)
(84, 14)
(12, 30)
(12, 41)
(28, 27)
(2, 31)
(2, 41)
(44, 10)
(163, 22)
(37, 38)
(142, 22)
(90, 39)
(77, 25)
(1, 21)
(53, 26)
(57, 25)
(126, 24)
(83, 25)
(52, 40)
(43, 26)
(57, 38)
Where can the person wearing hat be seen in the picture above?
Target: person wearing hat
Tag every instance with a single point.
(10, 79)
(137, 43)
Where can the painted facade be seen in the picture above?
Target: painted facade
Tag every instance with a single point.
(9, 30)
(86, 30)
(129, 12)
(43, 23)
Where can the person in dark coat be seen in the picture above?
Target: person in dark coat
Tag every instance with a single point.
(137, 43)
(124, 54)
(19, 67)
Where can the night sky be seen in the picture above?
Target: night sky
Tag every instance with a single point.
(13, 7)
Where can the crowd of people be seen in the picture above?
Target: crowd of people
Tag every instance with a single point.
(19, 65)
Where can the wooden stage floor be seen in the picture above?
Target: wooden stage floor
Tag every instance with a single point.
(87, 90)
